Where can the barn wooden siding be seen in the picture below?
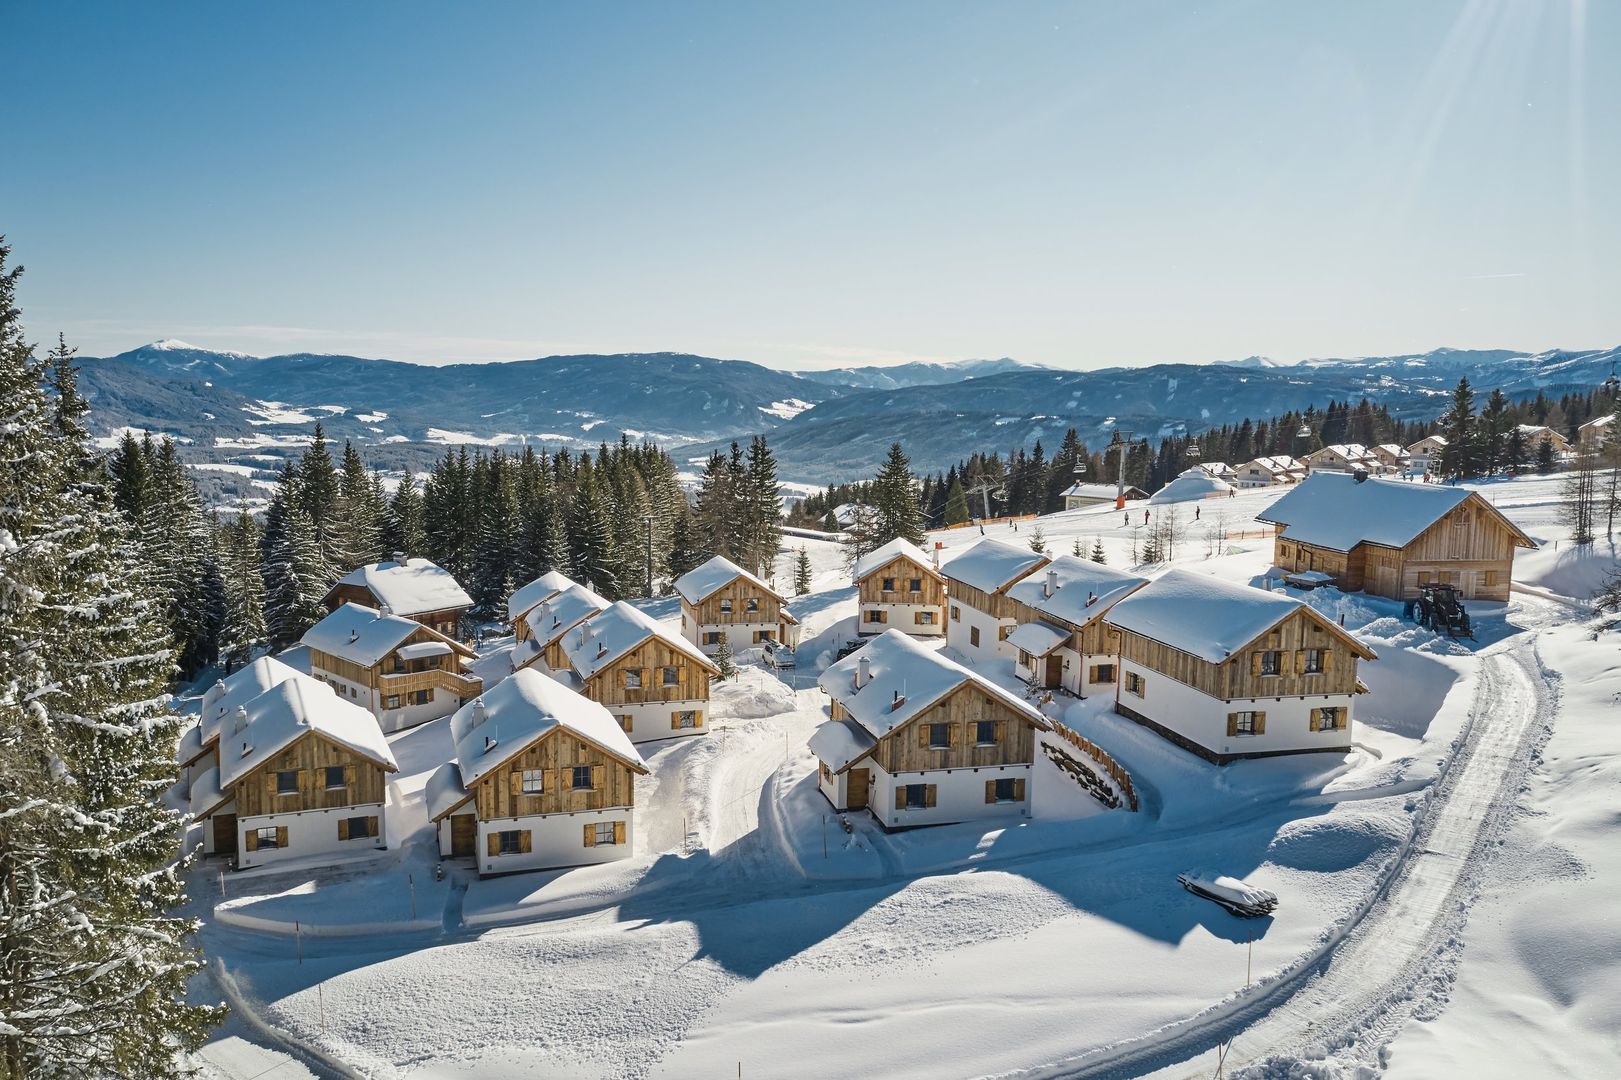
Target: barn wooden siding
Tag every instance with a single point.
(498, 793)
(902, 569)
(1238, 676)
(311, 754)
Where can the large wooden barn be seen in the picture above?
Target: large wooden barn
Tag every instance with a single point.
(1391, 537)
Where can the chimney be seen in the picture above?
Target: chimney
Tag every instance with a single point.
(937, 546)
(354, 636)
(1052, 583)
(863, 672)
(1090, 598)
(478, 711)
(397, 556)
(239, 719)
(385, 610)
(489, 743)
(897, 701)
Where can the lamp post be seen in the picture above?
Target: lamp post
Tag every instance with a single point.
(1118, 444)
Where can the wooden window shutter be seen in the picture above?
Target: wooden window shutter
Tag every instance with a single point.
(348, 776)
(251, 841)
(675, 721)
(548, 779)
(928, 794)
(523, 842)
(1300, 661)
(306, 781)
(922, 736)
(900, 797)
(371, 827)
(281, 836)
(1232, 725)
(1328, 661)
(590, 835)
(990, 791)
(1314, 724)
(599, 777)
(1255, 663)
(1001, 729)
(270, 786)
(515, 782)
(1018, 790)
(619, 832)
(343, 828)
(492, 843)
(1260, 723)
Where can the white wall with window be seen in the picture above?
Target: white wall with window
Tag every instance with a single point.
(919, 620)
(1243, 727)
(272, 838)
(977, 636)
(552, 840)
(394, 711)
(942, 796)
(654, 720)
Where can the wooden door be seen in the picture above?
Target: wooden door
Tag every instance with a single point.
(463, 835)
(225, 834)
(1055, 670)
(860, 780)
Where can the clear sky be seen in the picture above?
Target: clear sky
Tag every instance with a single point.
(812, 185)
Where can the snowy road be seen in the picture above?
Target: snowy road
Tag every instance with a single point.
(1395, 962)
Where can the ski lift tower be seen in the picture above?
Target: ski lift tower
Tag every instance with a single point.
(1118, 444)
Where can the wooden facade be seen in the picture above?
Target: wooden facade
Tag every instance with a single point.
(729, 605)
(994, 604)
(1092, 638)
(902, 572)
(499, 793)
(907, 749)
(649, 661)
(392, 675)
(1299, 642)
(310, 756)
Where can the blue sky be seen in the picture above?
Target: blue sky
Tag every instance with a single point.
(817, 185)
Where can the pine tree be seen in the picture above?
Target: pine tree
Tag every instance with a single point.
(762, 534)
(723, 659)
(594, 556)
(1460, 457)
(716, 501)
(496, 556)
(93, 969)
(239, 546)
(1545, 456)
(1097, 551)
(684, 554)
(1038, 541)
(357, 524)
(802, 572)
(956, 512)
(320, 493)
(894, 501)
(402, 528)
(295, 581)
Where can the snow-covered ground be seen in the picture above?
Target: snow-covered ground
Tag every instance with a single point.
(1445, 889)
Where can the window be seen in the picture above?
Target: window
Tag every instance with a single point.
(625, 723)
(1002, 632)
(888, 585)
(1330, 719)
(973, 635)
(914, 584)
(268, 838)
(764, 635)
(956, 613)
(335, 777)
(917, 796)
(582, 778)
(725, 607)
(1244, 723)
(1134, 684)
(1271, 662)
(1314, 662)
(924, 618)
(392, 701)
(399, 662)
(985, 733)
(287, 782)
(1103, 673)
(633, 679)
(422, 697)
(939, 736)
(355, 828)
(532, 781)
(1487, 579)
(711, 637)
(686, 718)
(751, 605)
(1004, 790)
(1024, 658)
(605, 833)
(672, 676)
(875, 616)
(509, 842)
(825, 772)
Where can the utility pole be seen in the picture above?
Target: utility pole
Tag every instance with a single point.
(1118, 444)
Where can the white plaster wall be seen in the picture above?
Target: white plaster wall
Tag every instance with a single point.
(739, 636)
(989, 648)
(959, 795)
(901, 617)
(651, 720)
(443, 702)
(836, 789)
(1202, 719)
(555, 840)
(208, 827)
(309, 832)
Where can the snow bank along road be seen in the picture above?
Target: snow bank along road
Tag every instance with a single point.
(1342, 1008)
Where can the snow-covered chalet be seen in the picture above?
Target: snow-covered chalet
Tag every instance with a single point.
(1061, 639)
(417, 589)
(898, 586)
(654, 682)
(526, 598)
(721, 601)
(977, 581)
(548, 622)
(199, 744)
(403, 671)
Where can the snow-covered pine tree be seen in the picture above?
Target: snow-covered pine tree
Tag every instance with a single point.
(684, 553)
(93, 968)
(402, 528)
(239, 549)
(1097, 551)
(295, 581)
(1038, 541)
(1459, 459)
(357, 525)
(761, 511)
(595, 560)
(319, 495)
(802, 572)
(496, 556)
(898, 515)
(712, 526)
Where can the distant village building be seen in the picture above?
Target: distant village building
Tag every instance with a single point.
(1193, 485)
(1228, 671)
(1220, 470)
(528, 597)
(720, 601)
(1535, 435)
(653, 681)
(898, 586)
(1391, 456)
(401, 671)
(1422, 455)
(416, 589)
(1343, 457)
(917, 739)
(543, 777)
(548, 622)
(1269, 472)
(301, 773)
(1592, 435)
(1390, 538)
(1061, 640)
(981, 615)
(1080, 496)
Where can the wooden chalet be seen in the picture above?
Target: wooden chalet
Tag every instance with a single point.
(1593, 434)
(981, 615)
(543, 777)
(1390, 537)
(1079, 496)
(301, 773)
(720, 601)
(917, 739)
(548, 622)
(404, 672)
(1229, 671)
(1422, 455)
(653, 681)
(1536, 434)
(528, 597)
(1392, 456)
(1269, 472)
(1061, 639)
(199, 744)
(415, 589)
(1343, 457)
(898, 586)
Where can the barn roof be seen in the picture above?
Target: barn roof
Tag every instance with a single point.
(991, 565)
(1335, 511)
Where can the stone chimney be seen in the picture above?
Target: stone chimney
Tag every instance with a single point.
(863, 672)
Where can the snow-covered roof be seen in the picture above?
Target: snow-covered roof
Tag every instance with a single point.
(847, 513)
(207, 795)
(1429, 442)
(895, 549)
(190, 747)
(904, 679)
(239, 687)
(444, 791)
(1347, 451)
(1393, 449)
(411, 587)
(596, 644)
(1334, 511)
(840, 744)
(523, 708)
(1210, 617)
(1082, 589)
(553, 618)
(1275, 464)
(1598, 422)
(363, 635)
(698, 585)
(419, 649)
(1193, 484)
(990, 565)
(290, 710)
(1037, 638)
(527, 596)
(1100, 491)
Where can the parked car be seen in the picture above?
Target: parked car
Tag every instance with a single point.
(776, 655)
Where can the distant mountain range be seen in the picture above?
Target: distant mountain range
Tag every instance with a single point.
(241, 412)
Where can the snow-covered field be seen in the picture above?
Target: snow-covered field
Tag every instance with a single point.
(1445, 888)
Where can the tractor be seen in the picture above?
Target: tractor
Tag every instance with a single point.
(1440, 609)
